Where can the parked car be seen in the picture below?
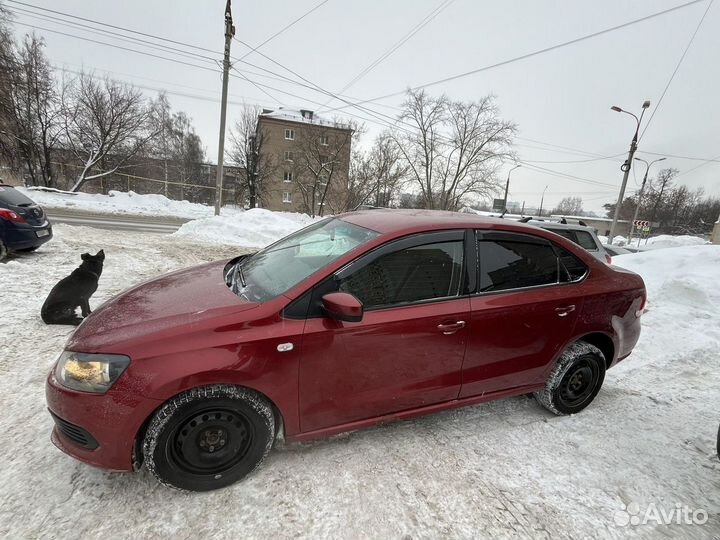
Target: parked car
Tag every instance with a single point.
(355, 320)
(23, 224)
(583, 236)
(614, 251)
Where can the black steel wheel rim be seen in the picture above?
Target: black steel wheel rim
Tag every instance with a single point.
(579, 383)
(210, 442)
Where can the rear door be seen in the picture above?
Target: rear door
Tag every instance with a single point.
(528, 301)
(407, 351)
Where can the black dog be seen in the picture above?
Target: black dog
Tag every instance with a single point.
(74, 291)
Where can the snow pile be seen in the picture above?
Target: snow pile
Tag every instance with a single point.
(121, 202)
(252, 228)
(682, 297)
(666, 241)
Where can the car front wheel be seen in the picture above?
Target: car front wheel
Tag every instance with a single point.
(574, 381)
(209, 437)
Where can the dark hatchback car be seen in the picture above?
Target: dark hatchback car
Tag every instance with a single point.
(359, 319)
(23, 224)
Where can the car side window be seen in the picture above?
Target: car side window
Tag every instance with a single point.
(571, 268)
(513, 264)
(566, 233)
(415, 274)
(585, 240)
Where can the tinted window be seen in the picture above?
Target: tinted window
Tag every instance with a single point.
(409, 275)
(566, 233)
(13, 197)
(571, 268)
(508, 264)
(586, 240)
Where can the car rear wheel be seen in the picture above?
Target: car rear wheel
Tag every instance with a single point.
(574, 381)
(209, 437)
(3, 250)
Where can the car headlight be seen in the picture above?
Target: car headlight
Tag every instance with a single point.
(90, 372)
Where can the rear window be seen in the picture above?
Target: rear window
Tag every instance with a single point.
(515, 264)
(563, 232)
(11, 196)
(586, 240)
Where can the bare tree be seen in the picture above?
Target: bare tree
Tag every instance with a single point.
(323, 155)
(106, 124)
(658, 187)
(569, 206)
(247, 150)
(452, 148)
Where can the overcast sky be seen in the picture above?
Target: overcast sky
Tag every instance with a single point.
(558, 99)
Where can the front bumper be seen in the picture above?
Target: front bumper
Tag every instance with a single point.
(112, 420)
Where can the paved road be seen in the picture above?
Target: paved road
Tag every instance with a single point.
(163, 224)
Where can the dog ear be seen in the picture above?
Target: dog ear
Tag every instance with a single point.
(101, 254)
(85, 256)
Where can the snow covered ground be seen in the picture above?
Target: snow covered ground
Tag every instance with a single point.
(658, 242)
(506, 469)
(122, 203)
(252, 228)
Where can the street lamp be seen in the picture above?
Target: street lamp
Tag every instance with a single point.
(507, 186)
(541, 201)
(640, 194)
(627, 165)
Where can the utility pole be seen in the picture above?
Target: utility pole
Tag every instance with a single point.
(625, 167)
(542, 199)
(507, 187)
(229, 33)
(640, 194)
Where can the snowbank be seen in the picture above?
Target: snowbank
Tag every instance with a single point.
(666, 241)
(252, 228)
(121, 202)
(682, 297)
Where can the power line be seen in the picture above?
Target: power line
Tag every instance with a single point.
(70, 15)
(677, 67)
(715, 159)
(534, 53)
(145, 53)
(110, 34)
(561, 174)
(578, 160)
(679, 157)
(414, 30)
(286, 27)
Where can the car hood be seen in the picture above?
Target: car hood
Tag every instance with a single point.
(170, 305)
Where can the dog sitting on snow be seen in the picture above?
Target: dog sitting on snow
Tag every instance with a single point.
(74, 291)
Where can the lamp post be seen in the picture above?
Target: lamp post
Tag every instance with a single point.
(541, 202)
(640, 194)
(625, 167)
(507, 186)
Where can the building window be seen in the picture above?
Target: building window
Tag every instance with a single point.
(288, 177)
(286, 197)
(290, 134)
(324, 140)
(288, 156)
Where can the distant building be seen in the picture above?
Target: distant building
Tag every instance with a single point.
(602, 225)
(311, 158)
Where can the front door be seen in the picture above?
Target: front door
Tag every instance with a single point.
(407, 351)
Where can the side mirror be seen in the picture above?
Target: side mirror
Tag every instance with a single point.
(343, 307)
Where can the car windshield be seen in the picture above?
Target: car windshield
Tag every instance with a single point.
(279, 267)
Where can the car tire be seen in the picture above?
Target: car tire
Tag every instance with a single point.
(209, 437)
(574, 381)
(3, 250)
(29, 250)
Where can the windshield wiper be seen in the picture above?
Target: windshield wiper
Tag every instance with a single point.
(237, 273)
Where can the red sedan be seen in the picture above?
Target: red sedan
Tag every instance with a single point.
(355, 320)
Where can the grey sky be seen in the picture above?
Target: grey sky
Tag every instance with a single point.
(562, 97)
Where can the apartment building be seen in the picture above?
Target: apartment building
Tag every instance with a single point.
(310, 159)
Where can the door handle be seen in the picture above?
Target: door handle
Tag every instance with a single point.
(563, 311)
(451, 328)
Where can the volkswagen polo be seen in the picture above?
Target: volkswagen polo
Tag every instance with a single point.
(357, 319)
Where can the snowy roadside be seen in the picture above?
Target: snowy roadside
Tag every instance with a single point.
(505, 469)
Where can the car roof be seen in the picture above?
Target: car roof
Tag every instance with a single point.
(558, 225)
(392, 222)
